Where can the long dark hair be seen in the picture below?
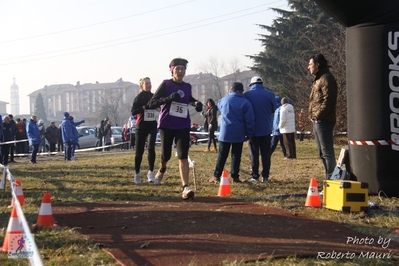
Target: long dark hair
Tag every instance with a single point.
(212, 102)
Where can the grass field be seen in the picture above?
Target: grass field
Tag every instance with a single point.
(108, 176)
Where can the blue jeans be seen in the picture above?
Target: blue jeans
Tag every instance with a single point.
(262, 144)
(323, 132)
(68, 150)
(223, 153)
(275, 140)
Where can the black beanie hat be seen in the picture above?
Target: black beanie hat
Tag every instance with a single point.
(237, 87)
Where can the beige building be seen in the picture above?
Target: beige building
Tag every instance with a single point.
(87, 101)
(205, 85)
(3, 108)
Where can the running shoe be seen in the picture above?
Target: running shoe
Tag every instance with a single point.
(137, 179)
(253, 180)
(150, 177)
(187, 193)
(159, 177)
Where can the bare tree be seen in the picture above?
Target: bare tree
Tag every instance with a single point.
(214, 68)
(113, 105)
(234, 66)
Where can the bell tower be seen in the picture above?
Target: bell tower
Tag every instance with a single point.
(14, 98)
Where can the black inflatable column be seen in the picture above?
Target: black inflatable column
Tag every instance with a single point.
(372, 47)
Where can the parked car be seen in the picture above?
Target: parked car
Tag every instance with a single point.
(116, 135)
(87, 137)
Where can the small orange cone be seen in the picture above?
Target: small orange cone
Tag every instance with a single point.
(45, 218)
(224, 188)
(313, 198)
(13, 229)
(19, 193)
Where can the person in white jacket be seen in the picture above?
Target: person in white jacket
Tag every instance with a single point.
(287, 128)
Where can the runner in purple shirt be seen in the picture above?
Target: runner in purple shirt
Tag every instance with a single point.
(174, 97)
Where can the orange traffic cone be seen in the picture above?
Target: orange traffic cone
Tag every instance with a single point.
(313, 198)
(224, 188)
(45, 218)
(13, 229)
(19, 193)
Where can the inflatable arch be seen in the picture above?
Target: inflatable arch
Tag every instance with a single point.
(372, 47)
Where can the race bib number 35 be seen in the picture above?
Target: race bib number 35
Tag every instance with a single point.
(149, 115)
(178, 109)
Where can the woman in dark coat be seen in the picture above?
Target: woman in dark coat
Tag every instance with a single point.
(212, 121)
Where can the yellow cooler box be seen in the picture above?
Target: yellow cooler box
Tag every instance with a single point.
(345, 195)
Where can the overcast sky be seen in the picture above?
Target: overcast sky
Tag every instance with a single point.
(45, 42)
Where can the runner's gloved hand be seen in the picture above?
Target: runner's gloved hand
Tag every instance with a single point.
(173, 96)
(198, 107)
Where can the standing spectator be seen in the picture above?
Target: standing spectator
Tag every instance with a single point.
(34, 137)
(301, 124)
(174, 96)
(60, 143)
(75, 137)
(212, 123)
(100, 134)
(42, 130)
(67, 136)
(238, 125)
(131, 124)
(13, 132)
(107, 134)
(52, 135)
(125, 138)
(7, 133)
(146, 129)
(264, 105)
(20, 135)
(287, 128)
(26, 143)
(204, 113)
(276, 135)
(323, 99)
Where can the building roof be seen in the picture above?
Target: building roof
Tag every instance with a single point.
(241, 75)
(59, 88)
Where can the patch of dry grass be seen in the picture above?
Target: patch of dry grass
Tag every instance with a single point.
(108, 176)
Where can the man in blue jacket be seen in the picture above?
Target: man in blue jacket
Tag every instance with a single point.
(67, 136)
(32, 130)
(237, 126)
(264, 104)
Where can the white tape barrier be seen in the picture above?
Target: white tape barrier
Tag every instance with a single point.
(94, 148)
(14, 141)
(31, 252)
(76, 151)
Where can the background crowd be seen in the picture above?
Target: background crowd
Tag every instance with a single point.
(256, 116)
